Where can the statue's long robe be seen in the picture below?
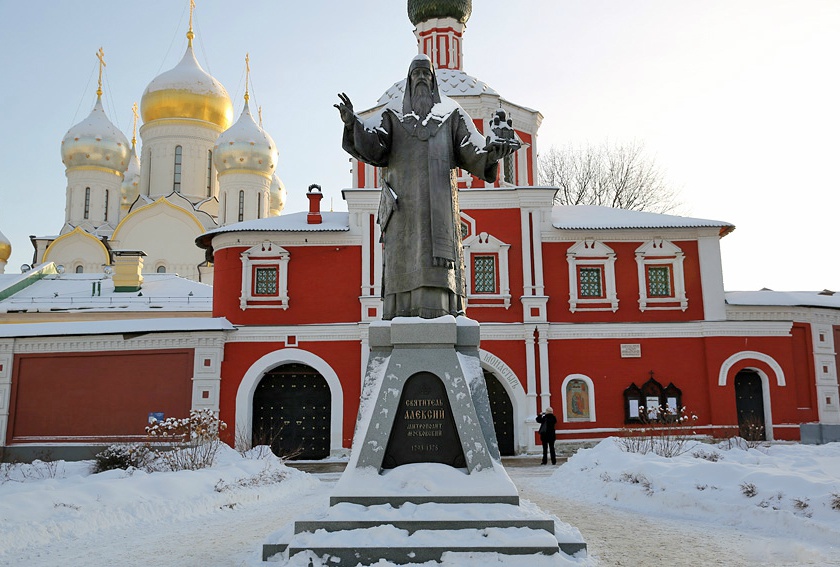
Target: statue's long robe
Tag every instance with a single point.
(423, 266)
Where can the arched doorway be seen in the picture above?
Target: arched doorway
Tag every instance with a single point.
(291, 412)
(502, 410)
(749, 402)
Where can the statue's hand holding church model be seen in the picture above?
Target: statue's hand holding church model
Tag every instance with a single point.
(418, 144)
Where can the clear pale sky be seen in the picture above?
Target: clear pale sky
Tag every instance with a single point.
(737, 100)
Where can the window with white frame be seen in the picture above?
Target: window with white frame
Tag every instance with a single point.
(591, 276)
(661, 276)
(486, 264)
(265, 269)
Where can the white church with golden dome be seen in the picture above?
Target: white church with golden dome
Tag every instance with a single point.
(197, 170)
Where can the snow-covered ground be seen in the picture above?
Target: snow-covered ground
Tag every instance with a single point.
(776, 505)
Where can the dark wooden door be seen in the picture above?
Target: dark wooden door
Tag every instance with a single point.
(502, 409)
(749, 401)
(292, 412)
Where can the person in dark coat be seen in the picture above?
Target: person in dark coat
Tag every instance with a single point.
(548, 423)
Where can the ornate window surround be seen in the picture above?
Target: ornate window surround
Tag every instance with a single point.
(660, 252)
(592, 253)
(487, 245)
(264, 255)
(591, 391)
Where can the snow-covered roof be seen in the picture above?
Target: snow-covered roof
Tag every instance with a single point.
(769, 297)
(294, 222)
(592, 217)
(76, 292)
(116, 327)
(451, 82)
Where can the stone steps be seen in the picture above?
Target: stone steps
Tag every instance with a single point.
(414, 534)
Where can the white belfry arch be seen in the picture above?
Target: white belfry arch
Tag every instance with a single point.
(252, 377)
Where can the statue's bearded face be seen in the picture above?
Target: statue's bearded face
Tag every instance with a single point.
(421, 91)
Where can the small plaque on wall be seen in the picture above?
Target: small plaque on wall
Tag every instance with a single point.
(631, 351)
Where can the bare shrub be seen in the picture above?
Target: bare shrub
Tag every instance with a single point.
(265, 477)
(667, 433)
(637, 478)
(801, 504)
(751, 429)
(711, 456)
(187, 443)
(123, 456)
(260, 444)
(835, 501)
(748, 489)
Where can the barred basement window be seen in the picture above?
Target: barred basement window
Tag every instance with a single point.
(659, 281)
(176, 181)
(265, 281)
(484, 270)
(590, 282)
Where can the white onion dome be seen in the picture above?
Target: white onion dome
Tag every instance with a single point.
(6, 247)
(276, 196)
(95, 142)
(245, 147)
(188, 92)
(130, 188)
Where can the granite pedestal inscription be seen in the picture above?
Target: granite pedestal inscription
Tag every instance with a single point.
(424, 430)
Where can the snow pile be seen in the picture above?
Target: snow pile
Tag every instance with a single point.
(784, 490)
(45, 502)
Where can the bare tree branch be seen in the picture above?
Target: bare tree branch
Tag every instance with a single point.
(619, 176)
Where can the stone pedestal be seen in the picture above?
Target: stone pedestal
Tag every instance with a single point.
(425, 462)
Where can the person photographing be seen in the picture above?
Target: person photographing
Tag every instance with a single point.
(548, 423)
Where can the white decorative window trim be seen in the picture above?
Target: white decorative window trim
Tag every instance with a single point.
(264, 255)
(589, 253)
(659, 252)
(483, 244)
(591, 392)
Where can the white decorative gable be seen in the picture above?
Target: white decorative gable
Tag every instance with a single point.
(661, 276)
(486, 270)
(265, 276)
(591, 276)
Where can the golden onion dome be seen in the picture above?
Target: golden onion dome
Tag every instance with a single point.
(130, 187)
(5, 248)
(187, 91)
(95, 142)
(245, 147)
(276, 196)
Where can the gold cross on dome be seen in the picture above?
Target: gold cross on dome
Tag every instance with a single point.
(101, 56)
(247, 74)
(259, 113)
(134, 131)
(190, 34)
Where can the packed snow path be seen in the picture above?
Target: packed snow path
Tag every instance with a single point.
(232, 535)
(621, 538)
